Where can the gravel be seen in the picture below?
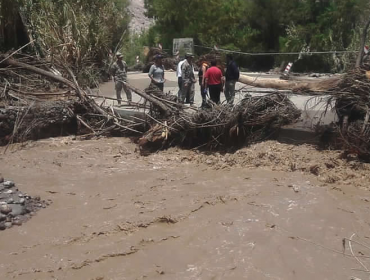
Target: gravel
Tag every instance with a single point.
(17, 207)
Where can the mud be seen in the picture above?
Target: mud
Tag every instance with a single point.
(184, 215)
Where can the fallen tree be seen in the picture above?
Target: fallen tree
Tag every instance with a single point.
(296, 86)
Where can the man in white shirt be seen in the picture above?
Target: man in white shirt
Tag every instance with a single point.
(179, 76)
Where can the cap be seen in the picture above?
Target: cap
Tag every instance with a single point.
(118, 54)
(157, 56)
(187, 55)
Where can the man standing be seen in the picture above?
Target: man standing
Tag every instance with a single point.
(201, 74)
(214, 80)
(119, 73)
(232, 76)
(179, 77)
(188, 79)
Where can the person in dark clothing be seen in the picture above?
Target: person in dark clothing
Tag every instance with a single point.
(214, 80)
(232, 76)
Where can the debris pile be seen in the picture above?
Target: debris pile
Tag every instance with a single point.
(42, 111)
(24, 116)
(352, 104)
(219, 127)
(213, 55)
(16, 207)
(37, 120)
(17, 81)
(169, 63)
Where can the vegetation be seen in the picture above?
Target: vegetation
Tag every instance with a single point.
(82, 32)
(78, 32)
(264, 26)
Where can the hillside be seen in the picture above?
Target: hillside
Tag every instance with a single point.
(139, 21)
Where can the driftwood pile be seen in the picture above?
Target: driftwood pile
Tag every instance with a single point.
(37, 120)
(352, 104)
(219, 127)
(53, 105)
(350, 94)
(25, 115)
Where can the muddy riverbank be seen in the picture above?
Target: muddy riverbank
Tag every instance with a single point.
(265, 212)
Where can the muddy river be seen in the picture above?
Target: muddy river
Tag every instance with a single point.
(271, 211)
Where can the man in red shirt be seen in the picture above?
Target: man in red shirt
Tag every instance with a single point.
(214, 80)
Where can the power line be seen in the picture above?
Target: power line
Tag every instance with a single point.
(277, 53)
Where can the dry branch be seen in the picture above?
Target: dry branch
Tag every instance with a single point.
(12, 62)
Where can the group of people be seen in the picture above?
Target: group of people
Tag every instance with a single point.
(211, 79)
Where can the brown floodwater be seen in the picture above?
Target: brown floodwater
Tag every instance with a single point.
(175, 215)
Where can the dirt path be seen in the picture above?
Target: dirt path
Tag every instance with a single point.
(176, 215)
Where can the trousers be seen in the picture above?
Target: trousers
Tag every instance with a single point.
(159, 85)
(119, 86)
(230, 91)
(215, 93)
(187, 91)
(179, 82)
(203, 94)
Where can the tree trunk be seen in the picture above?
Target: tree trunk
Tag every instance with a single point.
(307, 87)
(362, 44)
(12, 29)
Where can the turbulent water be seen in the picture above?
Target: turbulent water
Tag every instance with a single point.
(179, 214)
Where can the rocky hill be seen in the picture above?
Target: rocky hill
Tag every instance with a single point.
(139, 21)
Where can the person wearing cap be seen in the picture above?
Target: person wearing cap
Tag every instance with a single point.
(188, 79)
(156, 72)
(232, 76)
(119, 73)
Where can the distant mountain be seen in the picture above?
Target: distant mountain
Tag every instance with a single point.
(139, 21)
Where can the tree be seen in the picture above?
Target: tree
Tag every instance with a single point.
(12, 29)
(261, 25)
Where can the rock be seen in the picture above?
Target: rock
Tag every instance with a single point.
(22, 201)
(5, 209)
(2, 227)
(1, 179)
(2, 217)
(8, 224)
(20, 195)
(17, 223)
(9, 184)
(294, 187)
(9, 192)
(10, 201)
(17, 210)
(2, 187)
